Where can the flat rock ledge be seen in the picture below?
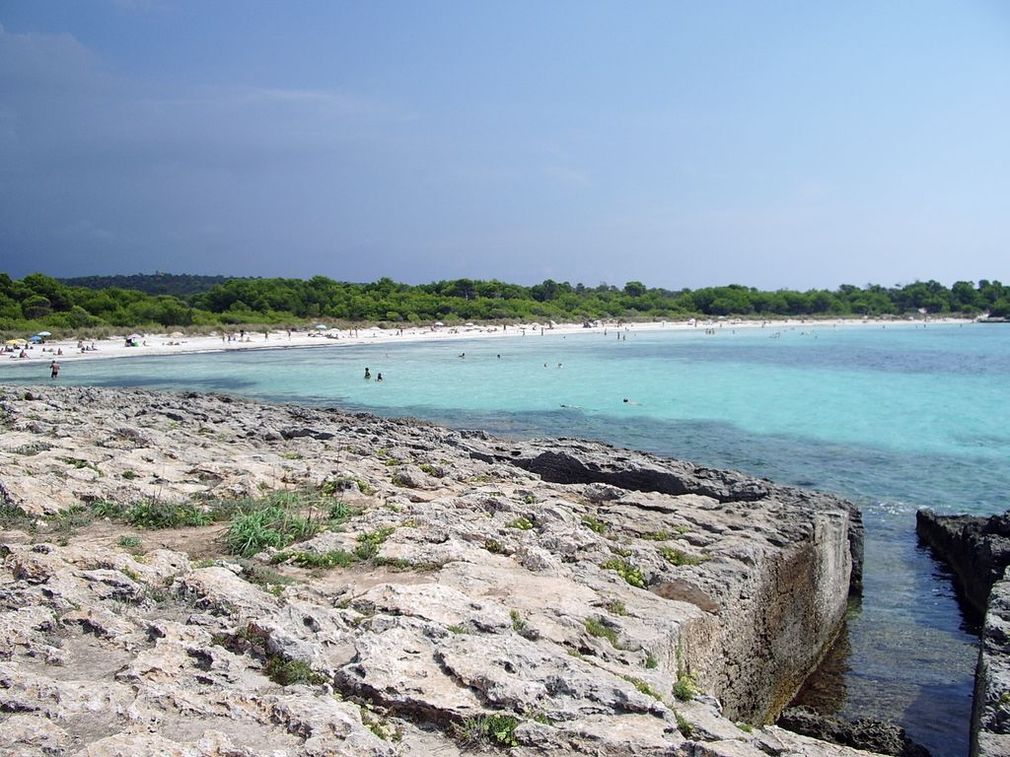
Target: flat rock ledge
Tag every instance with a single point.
(977, 549)
(550, 597)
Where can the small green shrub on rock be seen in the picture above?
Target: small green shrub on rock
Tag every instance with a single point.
(487, 730)
(370, 541)
(679, 557)
(661, 535)
(289, 672)
(685, 689)
(626, 570)
(643, 687)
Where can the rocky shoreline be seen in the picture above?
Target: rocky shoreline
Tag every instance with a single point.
(977, 549)
(450, 591)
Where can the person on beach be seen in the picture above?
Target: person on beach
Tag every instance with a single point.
(368, 374)
(54, 369)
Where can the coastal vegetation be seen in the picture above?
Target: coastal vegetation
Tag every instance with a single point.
(39, 302)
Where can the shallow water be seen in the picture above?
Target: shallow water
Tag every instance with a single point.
(894, 418)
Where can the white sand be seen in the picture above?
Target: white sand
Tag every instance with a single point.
(164, 344)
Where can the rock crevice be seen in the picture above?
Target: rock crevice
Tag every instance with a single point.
(977, 549)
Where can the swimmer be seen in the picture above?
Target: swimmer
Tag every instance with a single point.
(378, 377)
(368, 374)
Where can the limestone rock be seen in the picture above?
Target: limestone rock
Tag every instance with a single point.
(547, 596)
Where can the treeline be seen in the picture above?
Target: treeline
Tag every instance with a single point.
(38, 301)
(178, 284)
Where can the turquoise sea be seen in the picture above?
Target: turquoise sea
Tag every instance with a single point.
(893, 417)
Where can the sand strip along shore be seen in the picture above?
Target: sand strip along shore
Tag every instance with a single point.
(176, 343)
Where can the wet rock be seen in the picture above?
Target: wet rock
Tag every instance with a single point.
(861, 733)
(976, 548)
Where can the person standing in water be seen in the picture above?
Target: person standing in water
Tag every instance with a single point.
(54, 369)
(368, 374)
(378, 377)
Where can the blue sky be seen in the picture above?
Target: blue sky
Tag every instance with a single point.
(682, 144)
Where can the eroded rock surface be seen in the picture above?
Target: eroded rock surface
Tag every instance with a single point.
(977, 548)
(991, 714)
(571, 608)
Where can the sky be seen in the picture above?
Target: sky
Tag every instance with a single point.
(682, 144)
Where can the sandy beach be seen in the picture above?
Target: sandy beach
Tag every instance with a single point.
(176, 343)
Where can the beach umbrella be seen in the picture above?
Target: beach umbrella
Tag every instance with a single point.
(35, 339)
(133, 337)
(16, 342)
(439, 323)
(176, 334)
(45, 333)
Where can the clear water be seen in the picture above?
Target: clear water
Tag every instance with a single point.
(894, 418)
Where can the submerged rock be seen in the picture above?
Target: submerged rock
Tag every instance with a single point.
(861, 733)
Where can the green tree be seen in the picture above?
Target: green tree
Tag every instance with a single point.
(634, 289)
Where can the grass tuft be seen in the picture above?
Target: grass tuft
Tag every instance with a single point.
(596, 627)
(273, 526)
(679, 557)
(685, 726)
(131, 543)
(616, 607)
(155, 514)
